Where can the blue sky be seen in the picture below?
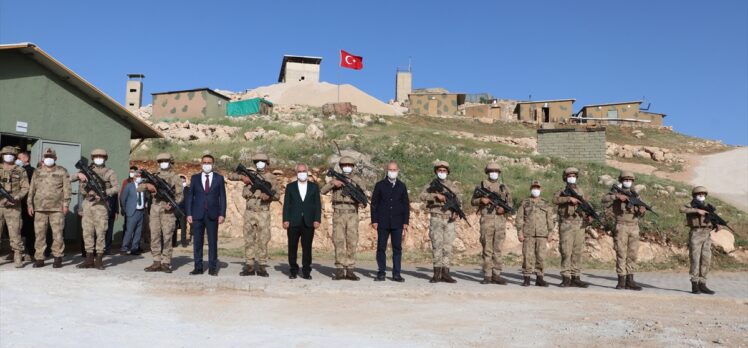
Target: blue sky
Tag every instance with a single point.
(688, 58)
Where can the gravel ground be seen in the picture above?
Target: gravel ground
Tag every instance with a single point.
(123, 306)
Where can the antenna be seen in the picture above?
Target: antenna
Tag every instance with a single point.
(409, 64)
(644, 100)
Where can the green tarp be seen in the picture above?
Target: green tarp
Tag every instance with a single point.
(245, 107)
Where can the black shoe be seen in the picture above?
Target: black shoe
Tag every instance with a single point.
(631, 284)
(380, 278)
(566, 282)
(621, 282)
(704, 289)
(262, 271)
(539, 281)
(498, 279)
(695, 289)
(306, 276)
(351, 276)
(398, 279)
(577, 281)
(108, 252)
(526, 281)
(213, 271)
(247, 271)
(136, 252)
(292, 276)
(197, 271)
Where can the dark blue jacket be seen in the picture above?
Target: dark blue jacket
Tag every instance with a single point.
(390, 206)
(214, 199)
(300, 213)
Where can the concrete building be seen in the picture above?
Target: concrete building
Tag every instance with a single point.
(43, 104)
(403, 85)
(620, 113)
(498, 109)
(299, 69)
(134, 94)
(189, 103)
(544, 111)
(435, 104)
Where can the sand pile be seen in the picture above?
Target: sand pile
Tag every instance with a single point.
(320, 93)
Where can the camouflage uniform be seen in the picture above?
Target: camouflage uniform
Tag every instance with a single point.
(571, 234)
(257, 220)
(441, 226)
(535, 221)
(162, 220)
(699, 244)
(626, 232)
(492, 228)
(344, 224)
(49, 192)
(16, 183)
(95, 216)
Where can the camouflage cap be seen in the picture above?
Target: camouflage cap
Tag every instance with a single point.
(99, 152)
(626, 175)
(492, 167)
(441, 164)
(261, 157)
(164, 157)
(535, 183)
(49, 152)
(570, 170)
(347, 160)
(9, 150)
(699, 189)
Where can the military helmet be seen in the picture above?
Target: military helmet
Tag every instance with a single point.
(535, 183)
(492, 167)
(164, 157)
(699, 189)
(570, 170)
(625, 174)
(261, 157)
(441, 164)
(99, 152)
(347, 160)
(49, 152)
(9, 150)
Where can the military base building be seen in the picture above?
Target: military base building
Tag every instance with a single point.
(620, 113)
(189, 104)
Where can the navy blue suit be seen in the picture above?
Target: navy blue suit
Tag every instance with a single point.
(301, 214)
(205, 206)
(390, 210)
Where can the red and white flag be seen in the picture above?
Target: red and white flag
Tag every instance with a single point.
(350, 61)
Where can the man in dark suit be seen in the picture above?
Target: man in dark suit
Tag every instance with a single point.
(390, 216)
(206, 209)
(302, 213)
(133, 209)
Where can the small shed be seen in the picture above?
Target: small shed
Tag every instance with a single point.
(249, 107)
(189, 104)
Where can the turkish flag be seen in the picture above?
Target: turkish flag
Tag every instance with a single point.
(350, 61)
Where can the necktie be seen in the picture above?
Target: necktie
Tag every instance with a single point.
(140, 199)
(207, 182)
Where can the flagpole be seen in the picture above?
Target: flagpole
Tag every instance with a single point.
(339, 65)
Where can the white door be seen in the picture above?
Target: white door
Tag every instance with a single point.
(612, 116)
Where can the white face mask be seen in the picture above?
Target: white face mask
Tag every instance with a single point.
(49, 161)
(627, 183)
(207, 168)
(571, 179)
(138, 180)
(19, 163)
(8, 158)
(535, 192)
(163, 165)
(302, 176)
(441, 176)
(392, 174)
(132, 174)
(98, 161)
(184, 184)
(493, 176)
(700, 198)
(260, 165)
(347, 169)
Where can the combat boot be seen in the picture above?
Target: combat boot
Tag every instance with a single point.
(57, 263)
(446, 277)
(39, 263)
(99, 262)
(437, 275)
(539, 281)
(704, 289)
(487, 280)
(566, 282)
(695, 289)
(247, 270)
(166, 268)
(18, 260)
(155, 267)
(621, 282)
(631, 284)
(88, 263)
(262, 271)
(339, 274)
(577, 281)
(350, 275)
(498, 279)
(526, 281)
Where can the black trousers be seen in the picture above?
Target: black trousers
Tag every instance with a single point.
(201, 226)
(383, 234)
(306, 234)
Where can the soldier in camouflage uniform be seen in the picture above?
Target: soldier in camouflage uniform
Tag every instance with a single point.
(344, 222)
(492, 225)
(257, 220)
(699, 241)
(626, 231)
(14, 180)
(48, 202)
(95, 220)
(441, 224)
(535, 221)
(571, 231)
(162, 218)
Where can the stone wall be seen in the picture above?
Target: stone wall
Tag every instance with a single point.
(577, 144)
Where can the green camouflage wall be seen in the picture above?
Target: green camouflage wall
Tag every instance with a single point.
(191, 104)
